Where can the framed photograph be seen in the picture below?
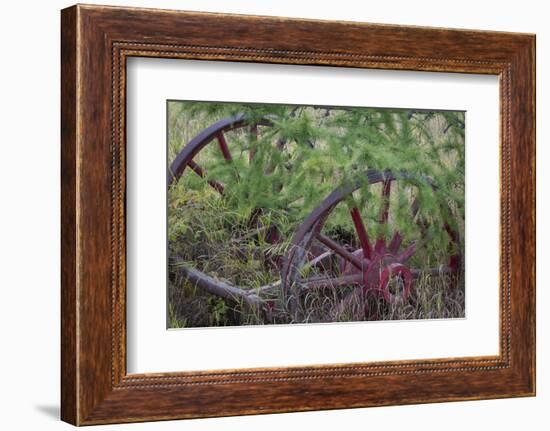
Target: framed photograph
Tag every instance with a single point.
(264, 215)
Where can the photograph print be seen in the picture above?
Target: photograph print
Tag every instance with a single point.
(295, 214)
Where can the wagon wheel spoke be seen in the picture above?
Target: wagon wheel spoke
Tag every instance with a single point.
(318, 259)
(361, 232)
(223, 146)
(395, 243)
(326, 282)
(338, 249)
(407, 253)
(201, 172)
(384, 210)
(380, 244)
(414, 246)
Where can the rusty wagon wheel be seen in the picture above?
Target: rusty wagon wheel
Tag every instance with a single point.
(218, 134)
(357, 265)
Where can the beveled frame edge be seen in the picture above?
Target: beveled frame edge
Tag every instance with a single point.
(96, 41)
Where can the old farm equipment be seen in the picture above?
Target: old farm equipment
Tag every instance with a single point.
(347, 267)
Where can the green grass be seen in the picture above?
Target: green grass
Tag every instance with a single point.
(228, 239)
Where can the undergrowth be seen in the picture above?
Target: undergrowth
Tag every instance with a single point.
(299, 159)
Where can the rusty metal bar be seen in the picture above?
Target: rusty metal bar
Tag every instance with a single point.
(338, 249)
(384, 210)
(380, 245)
(361, 232)
(407, 253)
(202, 173)
(223, 146)
(395, 243)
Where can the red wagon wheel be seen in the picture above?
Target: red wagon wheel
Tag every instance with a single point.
(359, 264)
(218, 134)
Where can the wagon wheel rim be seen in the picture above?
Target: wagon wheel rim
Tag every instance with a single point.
(376, 262)
(215, 132)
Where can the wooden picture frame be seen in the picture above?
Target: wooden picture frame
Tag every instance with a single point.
(95, 43)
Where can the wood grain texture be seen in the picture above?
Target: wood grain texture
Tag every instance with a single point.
(96, 41)
(69, 397)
